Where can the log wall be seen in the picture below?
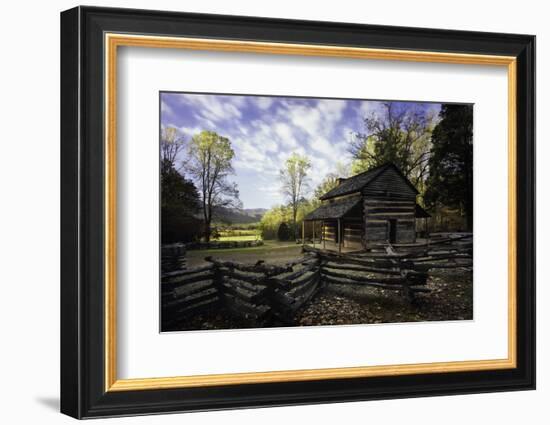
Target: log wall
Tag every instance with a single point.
(330, 229)
(379, 211)
(352, 230)
(353, 234)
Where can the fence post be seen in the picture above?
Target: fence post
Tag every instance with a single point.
(320, 264)
(217, 277)
(173, 257)
(268, 296)
(404, 270)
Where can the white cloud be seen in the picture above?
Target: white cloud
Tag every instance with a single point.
(206, 123)
(306, 119)
(369, 109)
(189, 132)
(253, 156)
(322, 145)
(263, 102)
(215, 109)
(165, 108)
(279, 127)
(239, 101)
(285, 134)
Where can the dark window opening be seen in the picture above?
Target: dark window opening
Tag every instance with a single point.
(392, 230)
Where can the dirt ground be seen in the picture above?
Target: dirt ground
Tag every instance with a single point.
(451, 298)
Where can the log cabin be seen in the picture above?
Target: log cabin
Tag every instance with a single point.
(368, 209)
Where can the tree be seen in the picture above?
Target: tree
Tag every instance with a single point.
(284, 233)
(171, 143)
(209, 162)
(180, 204)
(180, 200)
(450, 180)
(176, 189)
(400, 135)
(272, 219)
(293, 178)
(330, 181)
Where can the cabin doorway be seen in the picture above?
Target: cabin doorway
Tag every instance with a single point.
(392, 225)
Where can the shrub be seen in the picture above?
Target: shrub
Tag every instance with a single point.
(178, 227)
(284, 233)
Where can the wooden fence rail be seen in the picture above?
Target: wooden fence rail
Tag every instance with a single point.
(173, 257)
(273, 294)
(258, 292)
(184, 292)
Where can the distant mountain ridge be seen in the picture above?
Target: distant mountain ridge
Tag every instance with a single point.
(239, 216)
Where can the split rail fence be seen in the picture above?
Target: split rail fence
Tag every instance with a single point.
(272, 294)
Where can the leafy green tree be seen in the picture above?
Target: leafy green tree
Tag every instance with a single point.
(180, 201)
(399, 135)
(177, 190)
(180, 204)
(294, 182)
(450, 180)
(284, 233)
(209, 161)
(330, 181)
(272, 219)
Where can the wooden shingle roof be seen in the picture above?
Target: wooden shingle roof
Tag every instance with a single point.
(334, 210)
(360, 181)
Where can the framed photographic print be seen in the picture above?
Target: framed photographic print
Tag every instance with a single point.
(261, 212)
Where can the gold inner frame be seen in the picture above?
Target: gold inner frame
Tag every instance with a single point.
(113, 41)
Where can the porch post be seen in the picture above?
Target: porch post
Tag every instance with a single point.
(426, 227)
(339, 235)
(323, 232)
(313, 223)
(303, 232)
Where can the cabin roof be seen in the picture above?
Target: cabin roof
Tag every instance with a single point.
(360, 181)
(333, 210)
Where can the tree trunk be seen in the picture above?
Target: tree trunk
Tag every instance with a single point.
(294, 214)
(207, 231)
(207, 220)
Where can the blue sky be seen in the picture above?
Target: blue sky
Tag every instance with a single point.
(265, 130)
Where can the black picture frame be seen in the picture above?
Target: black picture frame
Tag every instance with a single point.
(83, 392)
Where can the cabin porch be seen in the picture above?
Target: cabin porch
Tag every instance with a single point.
(336, 225)
(340, 234)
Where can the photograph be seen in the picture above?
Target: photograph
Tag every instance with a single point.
(282, 211)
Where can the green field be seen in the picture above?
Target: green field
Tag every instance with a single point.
(239, 238)
(274, 252)
(238, 234)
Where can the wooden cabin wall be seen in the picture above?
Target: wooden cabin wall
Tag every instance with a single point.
(330, 230)
(378, 212)
(353, 234)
